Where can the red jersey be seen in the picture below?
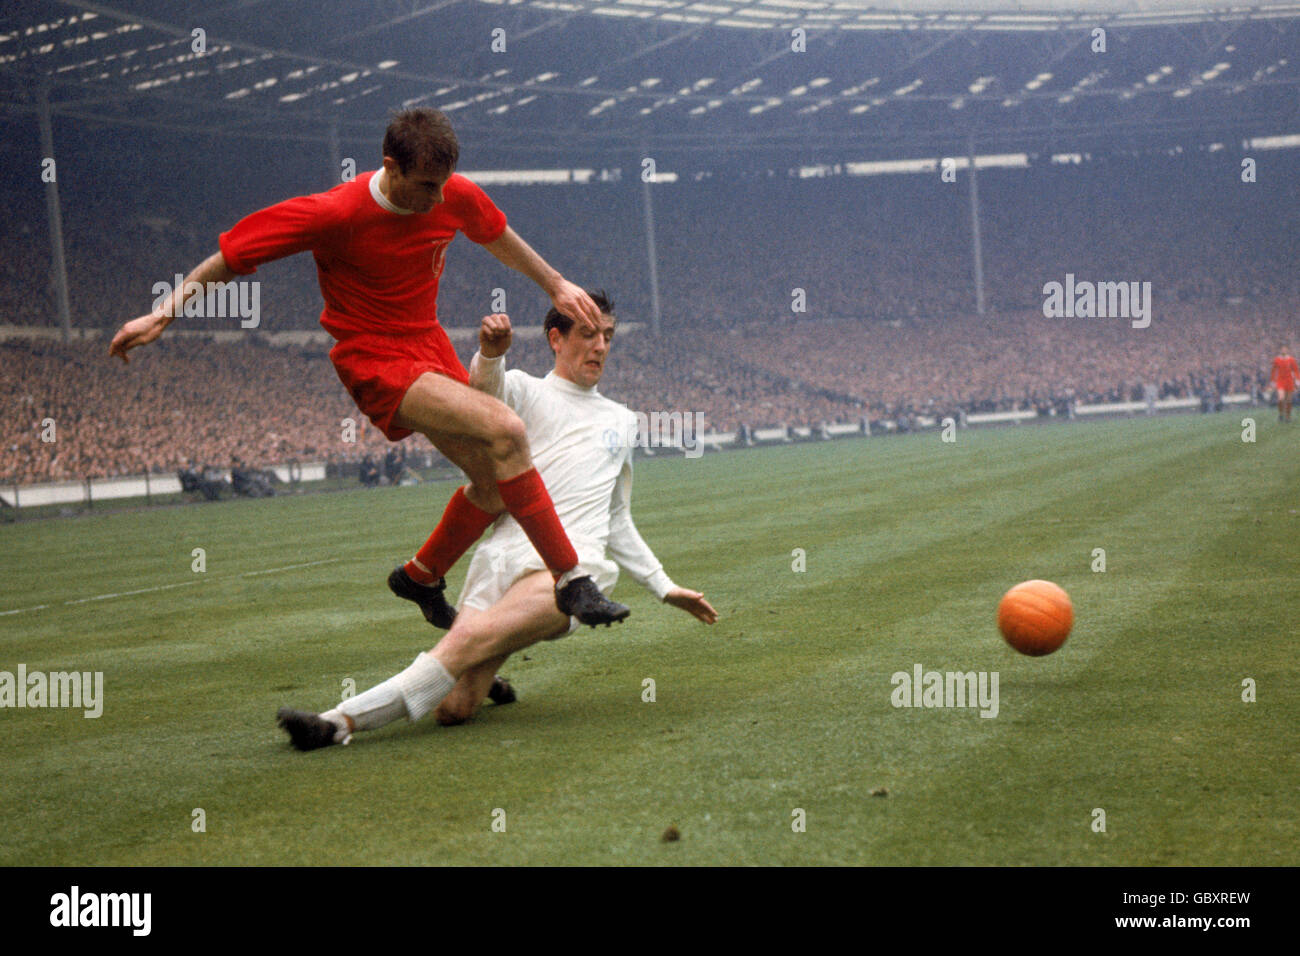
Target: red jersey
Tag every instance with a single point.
(1285, 372)
(378, 268)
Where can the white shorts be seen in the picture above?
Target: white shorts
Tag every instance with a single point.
(494, 569)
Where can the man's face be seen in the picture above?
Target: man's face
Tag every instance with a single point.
(418, 190)
(580, 356)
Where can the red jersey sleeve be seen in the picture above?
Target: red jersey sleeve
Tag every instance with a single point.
(283, 229)
(480, 219)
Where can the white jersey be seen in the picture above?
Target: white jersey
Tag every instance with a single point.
(581, 444)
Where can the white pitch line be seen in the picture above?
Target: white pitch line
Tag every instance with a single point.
(164, 587)
(105, 597)
(39, 607)
(288, 567)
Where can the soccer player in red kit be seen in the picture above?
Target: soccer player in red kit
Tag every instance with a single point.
(379, 243)
(1284, 378)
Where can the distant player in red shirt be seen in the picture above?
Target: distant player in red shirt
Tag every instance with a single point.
(379, 243)
(1284, 378)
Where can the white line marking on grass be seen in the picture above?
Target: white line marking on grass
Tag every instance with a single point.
(105, 597)
(288, 567)
(163, 587)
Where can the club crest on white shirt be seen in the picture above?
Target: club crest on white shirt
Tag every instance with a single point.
(612, 439)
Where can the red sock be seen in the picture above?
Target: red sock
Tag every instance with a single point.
(462, 524)
(530, 503)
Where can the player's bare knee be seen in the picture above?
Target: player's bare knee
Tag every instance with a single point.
(452, 712)
(450, 717)
(508, 441)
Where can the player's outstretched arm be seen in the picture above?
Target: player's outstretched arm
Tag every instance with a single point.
(692, 602)
(568, 299)
(628, 549)
(146, 328)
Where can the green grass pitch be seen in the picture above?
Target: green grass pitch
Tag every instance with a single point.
(785, 704)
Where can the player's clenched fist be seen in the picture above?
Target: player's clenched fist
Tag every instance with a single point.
(494, 335)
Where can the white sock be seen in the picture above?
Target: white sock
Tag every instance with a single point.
(412, 693)
(342, 735)
(424, 685)
(371, 709)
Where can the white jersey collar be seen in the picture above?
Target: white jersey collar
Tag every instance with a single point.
(379, 197)
(564, 385)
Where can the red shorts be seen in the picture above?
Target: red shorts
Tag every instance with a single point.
(378, 369)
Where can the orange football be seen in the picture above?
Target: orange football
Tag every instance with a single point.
(1035, 617)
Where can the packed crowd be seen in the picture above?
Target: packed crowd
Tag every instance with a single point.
(192, 399)
(783, 302)
(70, 413)
(1021, 360)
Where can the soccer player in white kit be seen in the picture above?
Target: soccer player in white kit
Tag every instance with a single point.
(582, 446)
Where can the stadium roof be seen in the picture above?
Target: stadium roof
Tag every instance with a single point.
(914, 14)
(579, 80)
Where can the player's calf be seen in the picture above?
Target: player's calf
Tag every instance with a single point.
(463, 702)
(453, 714)
(477, 682)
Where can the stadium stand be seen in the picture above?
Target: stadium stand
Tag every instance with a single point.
(890, 326)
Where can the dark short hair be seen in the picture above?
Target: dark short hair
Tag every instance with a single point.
(554, 320)
(422, 138)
